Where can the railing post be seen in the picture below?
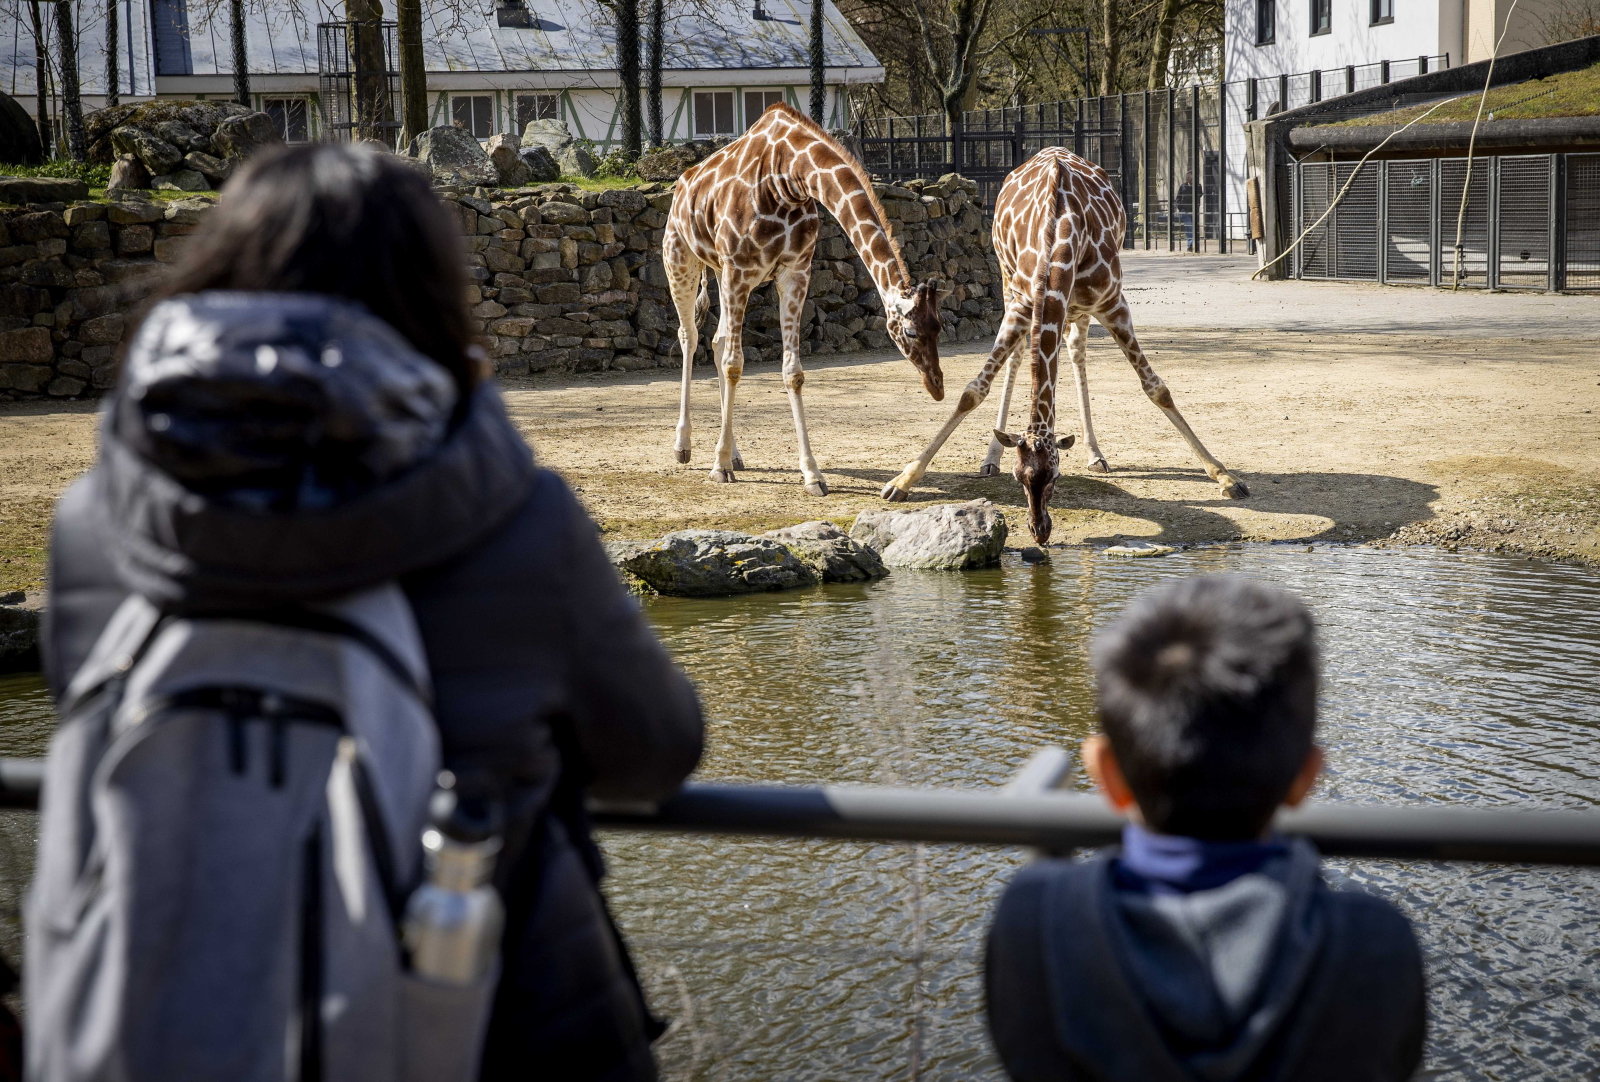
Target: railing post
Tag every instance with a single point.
(1422, 65)
(1195, 203)
(1172, 183)
(1316, 86)
(1017, 156)
(1491, 270)
(1349, 78)
(1435, 257)
(1222, 168)
(1122, 168)
(1558, 222)
(1147, 187)
(1283, 91)
(1384, 69)
(1250, 104)
(955, 144)
(1383, 222)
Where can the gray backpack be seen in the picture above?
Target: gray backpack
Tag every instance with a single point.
(230, 827)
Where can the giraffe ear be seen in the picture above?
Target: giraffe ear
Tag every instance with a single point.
(1065, 442)
(1005, 439)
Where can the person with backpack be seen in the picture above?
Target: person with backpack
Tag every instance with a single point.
(313, 564)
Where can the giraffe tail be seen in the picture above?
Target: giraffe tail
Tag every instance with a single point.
(702, 301)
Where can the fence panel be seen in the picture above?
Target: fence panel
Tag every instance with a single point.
(1475, 226)
(1582, 234)
(1408, 194)
(1524, 222)
(1355, 223)
(1314, 256)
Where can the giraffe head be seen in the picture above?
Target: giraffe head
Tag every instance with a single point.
(913, 324)
(1038, 466)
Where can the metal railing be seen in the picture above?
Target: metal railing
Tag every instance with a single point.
(1033, 811)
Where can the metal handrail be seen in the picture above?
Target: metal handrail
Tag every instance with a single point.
(1033, 812)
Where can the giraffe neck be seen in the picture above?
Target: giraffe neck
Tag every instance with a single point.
(848, 196)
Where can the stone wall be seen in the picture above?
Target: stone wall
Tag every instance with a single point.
(563, 280)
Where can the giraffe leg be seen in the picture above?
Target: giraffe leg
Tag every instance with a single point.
(728, 348)
(791, 283)
(1118, 321)
(991, 459)
(684, 276)
(1078, 348)
(972, 396)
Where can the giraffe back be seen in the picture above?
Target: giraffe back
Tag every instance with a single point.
(1058, 193)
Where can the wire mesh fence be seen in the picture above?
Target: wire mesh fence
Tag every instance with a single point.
(1527, 221)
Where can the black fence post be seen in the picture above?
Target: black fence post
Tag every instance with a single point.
(1222, 168)
(1422, 65)
(1172, 160)
(1350, 78)
(955, 145)
(1558, 222)
(1283, 91)
(1017, 149)
(1146, 183)
(1196, 227)
(1250, 99)
(1316, 85)
(1384, 71)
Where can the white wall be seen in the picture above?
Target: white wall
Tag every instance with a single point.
(1420, 28)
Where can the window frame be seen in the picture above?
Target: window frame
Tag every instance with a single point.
(472, 111)
(1266, 28)
(518, 97)
(288, 101)
(712, 95)
(1321, 16)
(769, 99)
(1382, 12)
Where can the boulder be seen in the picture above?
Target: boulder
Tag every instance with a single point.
(158, 155)
(19, 136)
(508, 165)
(945, 537)
(19, 632)
(665, 163)
(241, 135)
(553, 135)
(181, 180)
(576, 161)
(709, 563)
(454, 157)
(831, 552)
(212, 168)
(128, 172)
(180, 135)
(542, 165)
(21, 190)
(200, 118)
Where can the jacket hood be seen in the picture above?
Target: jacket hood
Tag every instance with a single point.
(271, 447)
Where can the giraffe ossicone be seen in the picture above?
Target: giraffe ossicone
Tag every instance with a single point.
(1058, 230)
(749, 213)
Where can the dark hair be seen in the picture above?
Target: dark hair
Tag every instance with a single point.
(350, 221)
(1208, 694)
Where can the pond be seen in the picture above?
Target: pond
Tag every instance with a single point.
(1451, 679)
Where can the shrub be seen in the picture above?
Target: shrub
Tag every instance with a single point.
(96, 176)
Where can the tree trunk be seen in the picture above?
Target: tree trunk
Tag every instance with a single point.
(819, 65)
(41, 79)
(628, 75)
(955, 70)
(413, 72)
(71, 102)
(657, 26)
(370, 88)
(1161, 48)
(1111, 34)
(113, 76)
(241, 55)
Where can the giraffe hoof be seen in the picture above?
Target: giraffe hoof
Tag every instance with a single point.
(722, 476)
(682, 456)
(738, 462)
(1234, 489)
(817, 488)
(893, 494)
(1099, 465)
(989, 469)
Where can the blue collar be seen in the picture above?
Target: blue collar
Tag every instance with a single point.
(1152, 863)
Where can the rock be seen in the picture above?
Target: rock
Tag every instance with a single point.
(560, 212)
(19, 137)
(946, 537)
(1034, 555)
(1138, 550)
(542, 165)
(183, 180)
(242, 135)
(197, 124)
(830, 552)
(453, 156)
(19, 633)
(508, 165)
(128, 172)
(666, 163)
(553, 135)
(158, 155)
(710, 563)
(575, 161)
(209, 166)
(41, 190)
(180, 135)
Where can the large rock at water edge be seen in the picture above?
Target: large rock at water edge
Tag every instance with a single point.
(241, 136)
(831, 552)
(709, 563)
(542, 165)
(454, 157)
(157, 155)
(509, 167)
(946, 537)
(19, 632)
(41, 190)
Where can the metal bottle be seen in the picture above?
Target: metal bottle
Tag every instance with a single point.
(454, 919)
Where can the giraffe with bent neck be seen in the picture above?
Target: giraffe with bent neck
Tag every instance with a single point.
(749, 213)
(1058, 229)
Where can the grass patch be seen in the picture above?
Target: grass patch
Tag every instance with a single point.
(1572, 93)
(97, 176)
(602, 184)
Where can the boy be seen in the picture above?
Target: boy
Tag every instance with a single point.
(1208, 948)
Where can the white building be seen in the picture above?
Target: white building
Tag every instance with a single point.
(491, 66)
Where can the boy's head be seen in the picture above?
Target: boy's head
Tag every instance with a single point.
(1208, 698)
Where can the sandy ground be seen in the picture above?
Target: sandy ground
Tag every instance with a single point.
(1354, 413)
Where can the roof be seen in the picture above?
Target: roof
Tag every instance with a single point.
(1568, 93)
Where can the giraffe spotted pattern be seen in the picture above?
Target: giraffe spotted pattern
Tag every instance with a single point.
(1058, 229)
(748, 214)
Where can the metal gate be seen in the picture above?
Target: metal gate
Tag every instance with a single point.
(358, 81)
(1529, 221)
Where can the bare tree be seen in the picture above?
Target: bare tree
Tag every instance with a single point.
(819, 65)
(627, 16)
(1111, 46)
(71, 100)
(413, 71)
(653, 93)
(241, 55)
(370, 81)
(41, 81)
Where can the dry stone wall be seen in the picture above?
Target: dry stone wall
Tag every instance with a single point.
(562, 280)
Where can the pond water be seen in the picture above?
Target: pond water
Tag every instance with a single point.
(1450, 679)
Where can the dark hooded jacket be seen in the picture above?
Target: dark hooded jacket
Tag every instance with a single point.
(1271, 977)
(265, 449)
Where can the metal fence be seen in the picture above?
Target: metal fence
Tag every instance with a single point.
(358, 81)
(1531, 222)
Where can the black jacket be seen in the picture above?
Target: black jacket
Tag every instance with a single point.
(1270, 978)
(239, 467)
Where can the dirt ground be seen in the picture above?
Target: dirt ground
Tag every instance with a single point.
(1354, 413)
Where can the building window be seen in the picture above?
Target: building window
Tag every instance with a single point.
(1321, 17)
(475, 113)
(289, 117)
(713, 113)
(1382, 12)
(757, 102)
(532, 107)
(1266, 21)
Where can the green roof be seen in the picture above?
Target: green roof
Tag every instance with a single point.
(1571, 93)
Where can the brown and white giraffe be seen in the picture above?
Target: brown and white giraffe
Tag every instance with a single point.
(749, 213)
(1058, 229)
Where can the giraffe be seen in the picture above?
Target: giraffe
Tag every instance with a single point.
(749, 212)
(1058, 228)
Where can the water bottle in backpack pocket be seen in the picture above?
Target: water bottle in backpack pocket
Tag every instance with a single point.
(229, 832)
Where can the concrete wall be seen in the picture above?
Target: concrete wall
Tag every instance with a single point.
(563, 280)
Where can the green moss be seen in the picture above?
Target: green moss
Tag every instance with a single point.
(1572, 93)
